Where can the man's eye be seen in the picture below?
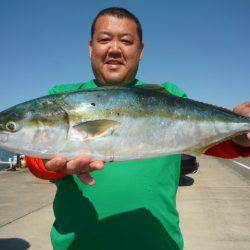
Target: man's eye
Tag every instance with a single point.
(104, 40)
(127, 42)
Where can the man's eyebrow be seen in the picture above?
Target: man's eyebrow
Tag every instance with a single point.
(105, 33)
(126, 34)
(110, 33)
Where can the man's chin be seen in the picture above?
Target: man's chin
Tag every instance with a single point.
(115, 81)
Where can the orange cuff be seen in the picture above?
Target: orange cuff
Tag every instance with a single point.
(229, 150)
(38, 169)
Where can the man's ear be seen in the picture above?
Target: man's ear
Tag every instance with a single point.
(90, 48)
(141, 50)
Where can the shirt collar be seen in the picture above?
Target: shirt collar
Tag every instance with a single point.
(126, 85)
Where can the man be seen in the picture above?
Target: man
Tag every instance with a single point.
(132, 205)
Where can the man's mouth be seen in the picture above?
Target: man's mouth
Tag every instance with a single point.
(114, 62)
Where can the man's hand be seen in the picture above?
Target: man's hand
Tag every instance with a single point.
(81, 165)
(243, 109)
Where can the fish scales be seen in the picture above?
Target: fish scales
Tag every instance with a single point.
(116, 124)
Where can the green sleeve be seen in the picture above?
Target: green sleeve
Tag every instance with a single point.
(174, 89)
(52, 91)
(62, 88)
(72, 86)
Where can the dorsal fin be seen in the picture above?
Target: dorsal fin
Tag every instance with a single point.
(154, 87)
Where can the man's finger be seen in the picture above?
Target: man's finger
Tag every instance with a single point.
(242, 109)
(96, 165)
(57, 163)
(248, 136)
(86, 179)
(93, 166)
(78, 164)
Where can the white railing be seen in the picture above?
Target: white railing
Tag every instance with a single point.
(5, 162)
(11, 162)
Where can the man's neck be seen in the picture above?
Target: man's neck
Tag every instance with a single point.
(99, 84)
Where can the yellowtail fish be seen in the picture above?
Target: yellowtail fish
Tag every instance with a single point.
(116, 124)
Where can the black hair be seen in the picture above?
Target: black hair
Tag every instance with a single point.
(119, 13)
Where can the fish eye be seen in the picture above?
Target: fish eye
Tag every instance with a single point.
(11, 126)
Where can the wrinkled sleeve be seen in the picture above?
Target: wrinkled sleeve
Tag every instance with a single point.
(37, 168)
(228, 150)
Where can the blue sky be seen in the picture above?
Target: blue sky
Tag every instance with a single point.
(202, 46)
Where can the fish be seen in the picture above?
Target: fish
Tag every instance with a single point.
(116, 124)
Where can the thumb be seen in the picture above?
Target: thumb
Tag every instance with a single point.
(248, 135)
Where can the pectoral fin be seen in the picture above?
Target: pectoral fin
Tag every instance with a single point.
(95, 127)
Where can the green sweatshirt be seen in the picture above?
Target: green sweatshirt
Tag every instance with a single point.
(132, 206)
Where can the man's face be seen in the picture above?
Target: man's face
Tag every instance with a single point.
(115, 50)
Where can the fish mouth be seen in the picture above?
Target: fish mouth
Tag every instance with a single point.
(3, 137)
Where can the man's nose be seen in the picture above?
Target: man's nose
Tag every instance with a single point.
(114, 47)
